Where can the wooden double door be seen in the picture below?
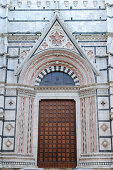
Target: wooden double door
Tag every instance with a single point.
(57, 134)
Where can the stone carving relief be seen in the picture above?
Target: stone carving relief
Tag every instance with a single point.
(104, 127)
(66, 3)
(11, 102)
(19, 3)
(29, 3)
(9, 127)
(75, 3)
(105, 143)
(103, 102)
(23, 54)
(8, 143)
(85, 3)
(57, 38)
(38, 3)
(48, 3)
(95, 3)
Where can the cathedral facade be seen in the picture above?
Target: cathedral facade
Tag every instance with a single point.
(56, 84)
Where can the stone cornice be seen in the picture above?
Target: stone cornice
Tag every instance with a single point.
(85, 87)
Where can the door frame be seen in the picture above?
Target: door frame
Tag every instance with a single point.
(56, 94)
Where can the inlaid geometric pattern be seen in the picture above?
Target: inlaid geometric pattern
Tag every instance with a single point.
(56, 69)
(57, 135)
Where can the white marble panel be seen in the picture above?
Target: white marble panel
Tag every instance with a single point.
(100, 51)
(11, 78)
(103, 77)
(12, 63)
(103, 103)
(9, 115)
(102, 91)
(13, 51)
(103, 115)
(105, 144)
(8, 144)
(9, 128)
(11, 92)
(104, 129)
(10, 102)
(101, 63)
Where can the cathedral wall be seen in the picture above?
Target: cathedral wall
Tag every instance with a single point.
(23, 23)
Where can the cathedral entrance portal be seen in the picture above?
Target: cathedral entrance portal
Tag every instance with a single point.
(57, 134)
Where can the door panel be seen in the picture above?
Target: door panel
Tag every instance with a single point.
(57, 134)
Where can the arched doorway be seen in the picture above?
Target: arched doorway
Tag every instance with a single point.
(32, 75)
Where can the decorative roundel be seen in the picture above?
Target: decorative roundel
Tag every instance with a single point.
(56, 69)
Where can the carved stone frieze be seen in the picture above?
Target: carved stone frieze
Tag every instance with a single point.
(91, 37)
(22, 37)
(26, 92)
(87, 92)
(56, 89)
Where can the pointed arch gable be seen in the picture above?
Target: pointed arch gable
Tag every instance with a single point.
(49, 27)
(51, 58)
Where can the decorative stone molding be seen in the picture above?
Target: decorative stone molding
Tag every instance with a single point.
(48, 3)
(95, 3)
(22, 37)
(38, 3)
(66, 3)
(59, 69)
(103, 102)
(105, 143)
(26, 92)
(9, 127)
(56, 89)
(87, 93)
(11, 102)
(29, 3)
(75, 3)
(8, 143)
(85, 3)
(19, 3)
(104, 127)
(91, 37)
